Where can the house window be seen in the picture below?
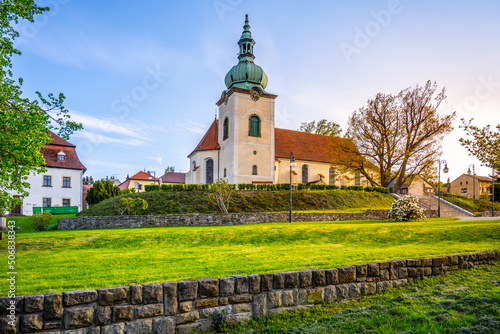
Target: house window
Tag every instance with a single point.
(357, 179)
(254, 170)
(137, 186)
(66, 202)
(47, 181)
(332, 175)
(66, 182)
(466, 182)
(225, 172)
(61, 157)
(47, 202)
(226, 129)
(463, 191)
(460, 182)
(254, 126)
(210, 171)
(305, 173)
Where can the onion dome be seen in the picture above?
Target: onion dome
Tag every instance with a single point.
(246, 74)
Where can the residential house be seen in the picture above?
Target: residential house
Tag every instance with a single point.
(471, 186)
(415, 186)
(138, 181)
(60, 185)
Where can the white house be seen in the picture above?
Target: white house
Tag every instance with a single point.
(61, 184)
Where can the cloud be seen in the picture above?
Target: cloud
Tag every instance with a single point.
(99, 138)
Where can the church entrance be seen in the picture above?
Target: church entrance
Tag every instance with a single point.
(210, 171)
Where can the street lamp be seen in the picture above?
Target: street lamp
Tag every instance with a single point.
(493, 176)
(292, 164)
(473, 184)
(445, 169)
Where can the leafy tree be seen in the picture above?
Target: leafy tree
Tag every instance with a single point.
(484, 145)
(169, 169)
(101, 190)
(24, 123)
(395, 137)
(221, 194)
(323, 127)
(88, 180)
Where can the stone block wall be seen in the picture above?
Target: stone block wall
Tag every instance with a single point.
(215, 219)
(188, 306)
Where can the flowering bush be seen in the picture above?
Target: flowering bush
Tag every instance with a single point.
(406, 209)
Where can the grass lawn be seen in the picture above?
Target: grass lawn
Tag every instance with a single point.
(464, 302)
(69, 260)
(25, 223)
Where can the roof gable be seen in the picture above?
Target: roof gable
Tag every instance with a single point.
(143, 176)
(210, 140)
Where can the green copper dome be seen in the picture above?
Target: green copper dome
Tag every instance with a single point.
(246, 74)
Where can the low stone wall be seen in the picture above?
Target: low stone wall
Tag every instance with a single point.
(488, 214)
(188, 306)
(215, 219)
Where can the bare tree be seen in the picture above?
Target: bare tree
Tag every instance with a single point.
(395, 138)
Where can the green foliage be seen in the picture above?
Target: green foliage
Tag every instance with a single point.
(355, 188)
(331, 187)
(219, 320)
(169, 169)
(24, 123)
(221, 192)
(101, 190)
(406, 209)
(484, 144)
(301, 186)
(41, 221)
(88, 180)
(471, 205)
(152, 187)
(128, 191)
(133, 205)
(323, 127)
(315, 186)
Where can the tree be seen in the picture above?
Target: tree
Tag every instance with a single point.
(221, 194)
(88, 180)
(101, 190)
(395, 137)
(24, 123)
(484, 145)
(323, 127)
(169, 169)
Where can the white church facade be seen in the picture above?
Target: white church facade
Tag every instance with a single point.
(243, 145)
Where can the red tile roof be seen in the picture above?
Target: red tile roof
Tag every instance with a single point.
(51, 151)
(210, 140)
(172, 177)
(143, 176)
(306, 146)
(124, 184)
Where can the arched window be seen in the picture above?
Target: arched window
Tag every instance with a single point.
(254, 170)
(225, 172)
(194, 165)
(210, 171)
(226, 129)
(254, 126)
(332, 175)
(305, 173)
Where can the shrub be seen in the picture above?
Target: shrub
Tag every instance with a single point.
(152, 187)
(166, 187)
(406, 209)
(177, 187)
(331, 187)
(133, 206)
(355, 188)
(40, 221)
(369, 189)
(318, 186)
(382, 190)
(343, 187)
(128, 191)
(301, 186)
(191, 187)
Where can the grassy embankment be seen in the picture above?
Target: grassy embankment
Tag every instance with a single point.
(165, 202)
(70, 260)
(471, 205)
(464, 302)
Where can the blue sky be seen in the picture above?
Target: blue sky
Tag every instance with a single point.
(143, 78)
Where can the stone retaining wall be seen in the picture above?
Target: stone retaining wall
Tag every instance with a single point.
(215, 219)
(488, 214)
(187, 306)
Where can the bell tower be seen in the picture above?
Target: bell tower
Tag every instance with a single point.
(246, 120)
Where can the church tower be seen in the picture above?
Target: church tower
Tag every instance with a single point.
(246, 120)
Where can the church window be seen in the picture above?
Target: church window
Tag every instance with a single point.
(357, 179)
(254, 170)
(305, 173)
(194, 165)
(210, 171)
(254, 126)
(225, 172)
(226, 129)
(332, 175)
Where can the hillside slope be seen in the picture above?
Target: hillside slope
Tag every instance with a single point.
(169, 202)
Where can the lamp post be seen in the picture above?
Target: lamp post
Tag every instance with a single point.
(473, 184)
(493, 176)
(445, 169)
(292, 164)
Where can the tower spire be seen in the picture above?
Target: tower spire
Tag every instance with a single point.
(246, 41)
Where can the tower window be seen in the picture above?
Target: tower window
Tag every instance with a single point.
(254, 126)
(226, 129)
(254, 170)
(225, 172)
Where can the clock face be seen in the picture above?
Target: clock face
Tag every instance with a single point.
(255, 95)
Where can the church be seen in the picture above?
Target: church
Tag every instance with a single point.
(244, 146)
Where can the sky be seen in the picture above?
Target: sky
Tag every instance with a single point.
(143, 78)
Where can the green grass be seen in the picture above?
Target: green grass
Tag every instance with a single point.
(465, 302)
(25, 223)
(471, 205)
(165, 202)
(69, 260)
